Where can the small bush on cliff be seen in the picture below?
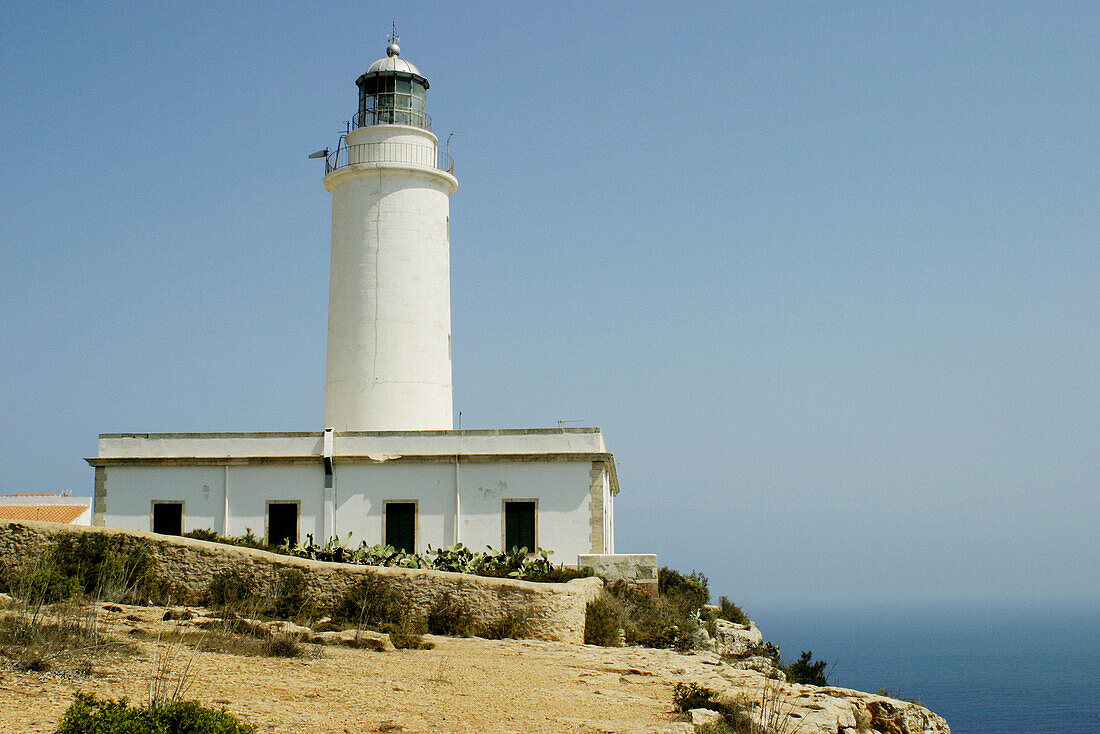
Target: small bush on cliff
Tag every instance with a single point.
(89, 715)
(664, 621)
(688, 593)
(736, 718)
(806, 670)
(730, 612)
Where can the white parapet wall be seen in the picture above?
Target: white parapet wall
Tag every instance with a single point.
(638, 569)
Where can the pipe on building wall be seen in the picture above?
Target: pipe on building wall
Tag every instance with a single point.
(328, 497)
(225, 505)
(458, 502)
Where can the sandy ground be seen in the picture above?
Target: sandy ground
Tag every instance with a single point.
(463, 685)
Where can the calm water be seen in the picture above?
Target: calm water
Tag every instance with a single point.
(994, 670)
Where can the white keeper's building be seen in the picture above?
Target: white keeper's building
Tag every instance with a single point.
(388, 466)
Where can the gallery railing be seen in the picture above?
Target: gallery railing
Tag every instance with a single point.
(388, 152)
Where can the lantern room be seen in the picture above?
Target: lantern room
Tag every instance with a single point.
(392, 92)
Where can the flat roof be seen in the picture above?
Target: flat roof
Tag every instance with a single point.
(281, 447)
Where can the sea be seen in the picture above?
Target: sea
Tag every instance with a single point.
(986, 668)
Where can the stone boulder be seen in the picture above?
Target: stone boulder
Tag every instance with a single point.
(365, 639)
(735, 640)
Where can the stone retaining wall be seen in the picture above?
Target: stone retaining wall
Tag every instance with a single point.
(553, 611)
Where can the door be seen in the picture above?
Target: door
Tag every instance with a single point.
(168, 518)
(401, 526)
(519, 525)
(282, 523)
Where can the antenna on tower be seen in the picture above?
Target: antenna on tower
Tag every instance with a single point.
(393, 49)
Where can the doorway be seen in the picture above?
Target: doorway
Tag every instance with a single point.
(401, 526)
(167, 517)
(282, 523)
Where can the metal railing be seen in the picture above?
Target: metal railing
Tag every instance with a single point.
(386, 152)
(391, 116)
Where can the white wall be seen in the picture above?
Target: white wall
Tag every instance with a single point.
(561, 489)
(132, 489)
(252, 486)
(362, 488)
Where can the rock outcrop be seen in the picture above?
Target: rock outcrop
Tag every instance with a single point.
(735, 640)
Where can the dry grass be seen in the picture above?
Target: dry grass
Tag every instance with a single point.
(170, 669)
(65, 637)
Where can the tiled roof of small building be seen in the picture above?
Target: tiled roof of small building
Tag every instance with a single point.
(51, 513)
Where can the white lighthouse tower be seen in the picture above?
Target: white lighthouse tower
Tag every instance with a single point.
(388, 366)
(388, 466)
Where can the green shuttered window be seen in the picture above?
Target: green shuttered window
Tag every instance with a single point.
(519, 525)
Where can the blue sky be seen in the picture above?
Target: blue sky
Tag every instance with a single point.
(827, 275)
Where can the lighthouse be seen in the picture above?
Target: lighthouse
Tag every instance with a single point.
(387, 467)
(388, 361)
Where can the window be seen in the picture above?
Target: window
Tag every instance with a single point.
(282, 523)
(519, 525)
(167, 517)
(400, 530)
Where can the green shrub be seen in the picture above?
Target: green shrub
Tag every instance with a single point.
(736, 718)
(558, 574)
(231, 588)
(604, 618)
(730, 612)
(644, 620)
(688, 696)
(764, 649)
(510, 626)
(199, 534)
(371, 602)
(39, 580)
(688, 593)
(89, 715)
(292, 595)
(806, 670)
(451, 616)
(283, 646)
(109, 566)
(409, 641)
